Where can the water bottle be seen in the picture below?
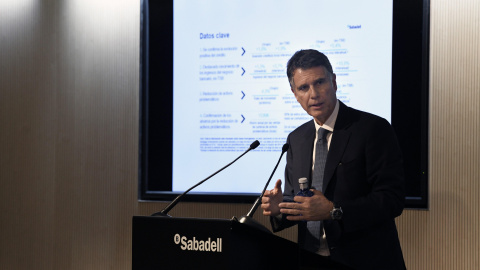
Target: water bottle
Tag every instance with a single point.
(304, 190)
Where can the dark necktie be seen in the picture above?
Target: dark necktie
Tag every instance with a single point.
(315, 228)
(320, 159)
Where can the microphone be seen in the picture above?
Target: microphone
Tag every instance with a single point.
(248, 219)
(169, 207)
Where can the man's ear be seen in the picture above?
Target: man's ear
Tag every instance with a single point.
(294, 93)
(334, 81)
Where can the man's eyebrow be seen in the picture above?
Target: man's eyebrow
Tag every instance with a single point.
(318, 80)
(321, 79)
(302, 85)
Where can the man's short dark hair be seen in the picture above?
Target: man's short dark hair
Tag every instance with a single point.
(305, 59)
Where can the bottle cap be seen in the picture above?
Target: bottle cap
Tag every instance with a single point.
(303, 180)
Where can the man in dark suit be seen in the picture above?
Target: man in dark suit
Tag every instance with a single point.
(350, 217)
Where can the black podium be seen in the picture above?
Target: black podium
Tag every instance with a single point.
(193, 243)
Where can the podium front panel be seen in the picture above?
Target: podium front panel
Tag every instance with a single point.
(194, 243)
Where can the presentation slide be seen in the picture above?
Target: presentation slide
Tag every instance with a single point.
(231, 87)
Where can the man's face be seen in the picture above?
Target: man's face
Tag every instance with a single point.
(315, 90)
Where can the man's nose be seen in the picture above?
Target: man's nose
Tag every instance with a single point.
(314, 92)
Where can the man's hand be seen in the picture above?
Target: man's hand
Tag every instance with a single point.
(271, 199)
(317, 207)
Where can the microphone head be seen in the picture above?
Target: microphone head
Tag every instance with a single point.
(254, 145)
(285, 148)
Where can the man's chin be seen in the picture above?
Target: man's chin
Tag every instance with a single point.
(316, 114)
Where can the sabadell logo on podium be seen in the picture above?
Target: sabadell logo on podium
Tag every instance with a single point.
(198, 245)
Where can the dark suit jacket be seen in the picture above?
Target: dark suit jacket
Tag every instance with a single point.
(364, 176)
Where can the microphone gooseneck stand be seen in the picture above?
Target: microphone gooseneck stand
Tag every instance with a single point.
(164, 212)
(248, 219)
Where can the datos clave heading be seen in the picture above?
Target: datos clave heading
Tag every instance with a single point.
(217, 35)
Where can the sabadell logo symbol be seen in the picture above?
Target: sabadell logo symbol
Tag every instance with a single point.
(198, 245)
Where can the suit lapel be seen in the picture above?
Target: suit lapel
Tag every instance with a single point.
(338, 144)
